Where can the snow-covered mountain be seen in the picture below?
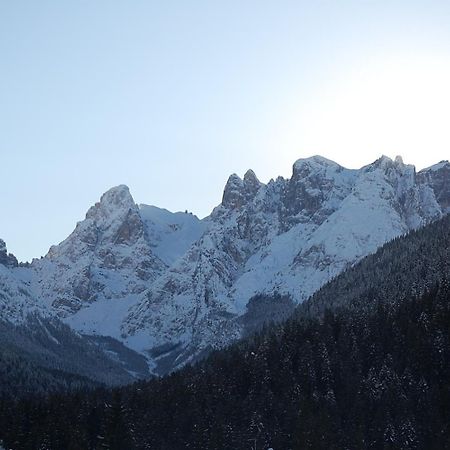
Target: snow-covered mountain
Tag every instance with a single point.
(172, 286)
(17, 300)
(30, 330)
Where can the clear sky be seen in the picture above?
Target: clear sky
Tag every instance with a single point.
(171, 97)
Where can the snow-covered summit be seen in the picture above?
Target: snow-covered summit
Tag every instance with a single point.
(107, 256)
(439, 166)
(314, 161)
(114, 202)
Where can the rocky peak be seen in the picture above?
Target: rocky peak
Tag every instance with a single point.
(117, 201)
(314, 163)
(118, 195)
(438, 178)
(398, 160)
(314, 182)
(6, 259)
(251, 180)
(238, 192)
(385, 164)
(107, 256)
(114, 219)
(232, 194)
(251, 185)
(399, 175)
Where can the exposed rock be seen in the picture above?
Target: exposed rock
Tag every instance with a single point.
(6, 259)
(172, 287)
(239, 192)
(438, 178)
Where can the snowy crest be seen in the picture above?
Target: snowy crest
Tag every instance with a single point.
(172, 286)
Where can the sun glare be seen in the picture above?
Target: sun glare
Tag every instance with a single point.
(388, 107)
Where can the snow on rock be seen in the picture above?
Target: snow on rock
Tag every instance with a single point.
(289, 236)
(172, 286)
(17, 299)
(437, 177)
(170, 234)
(107, 256)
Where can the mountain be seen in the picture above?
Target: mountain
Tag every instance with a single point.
(363, 364)
(407, 266)
(17, 299)
(106, 257)
(172, 287)
(40, 353)
(287, 237)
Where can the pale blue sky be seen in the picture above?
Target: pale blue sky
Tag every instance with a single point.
(170, 97)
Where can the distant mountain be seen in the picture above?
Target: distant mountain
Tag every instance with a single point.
(173, 287)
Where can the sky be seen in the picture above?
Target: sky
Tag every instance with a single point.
(172, 97)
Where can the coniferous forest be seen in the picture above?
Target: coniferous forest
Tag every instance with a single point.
(377, 381)
(365, 364)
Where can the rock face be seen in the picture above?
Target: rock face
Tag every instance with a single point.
(438, 178)
(285, 238)
(171, 286)
(17, 299)
(6, 259)
(106, 257)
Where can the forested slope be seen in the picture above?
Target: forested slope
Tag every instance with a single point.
(408, 265)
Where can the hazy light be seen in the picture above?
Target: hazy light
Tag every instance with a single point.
(390, 106)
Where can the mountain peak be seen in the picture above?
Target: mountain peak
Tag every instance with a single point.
(383, 160)
(114, 201)
(385, 163)
(239, 191)
(305, 167)
(315, 160)
(440, 165)
(6, 259)
(250, 176)
(251, 183)
(398, 160)
(118, 195)
(232, 193)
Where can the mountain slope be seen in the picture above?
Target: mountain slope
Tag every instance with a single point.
(106, 257)
(287, 237)
(173, 287)
(52, 347)
(32, 339)
(17, 299)
(407, 266)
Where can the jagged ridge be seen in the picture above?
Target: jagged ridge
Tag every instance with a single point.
(173, 287)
